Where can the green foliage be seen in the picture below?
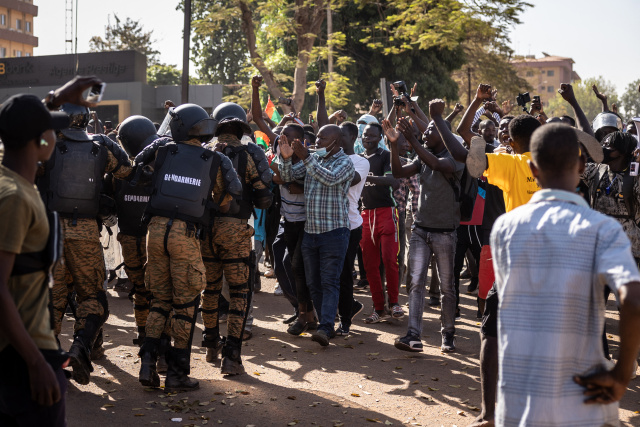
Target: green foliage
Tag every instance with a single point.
(163, 74)
(127, 35)
(630, 100)
(585, 97)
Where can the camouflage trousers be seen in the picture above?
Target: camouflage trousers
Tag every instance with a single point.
(81, 269)
(175, 275)
(134, 253)
(225, 250)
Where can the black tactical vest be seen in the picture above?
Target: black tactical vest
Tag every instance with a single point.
(239, 158)
(73, 178)
(184, 177)
(131, 202)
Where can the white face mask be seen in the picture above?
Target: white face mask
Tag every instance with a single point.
(322, 152)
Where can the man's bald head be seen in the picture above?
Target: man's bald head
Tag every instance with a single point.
(329, 137)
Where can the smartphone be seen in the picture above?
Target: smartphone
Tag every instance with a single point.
(633, 169)
(96, 92)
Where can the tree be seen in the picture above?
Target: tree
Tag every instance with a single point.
(385, 38)
(585, 97)
(163, 74)
(630, 100)
(127, 35)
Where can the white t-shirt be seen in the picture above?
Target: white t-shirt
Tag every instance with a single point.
(361, 166)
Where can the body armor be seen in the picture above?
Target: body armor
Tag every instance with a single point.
(131, 202)
(72, 178)
(183, 179)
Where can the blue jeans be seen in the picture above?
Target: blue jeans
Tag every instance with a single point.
(423, 245)
(323, 255)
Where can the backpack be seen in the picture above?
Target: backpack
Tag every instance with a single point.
(465, 191)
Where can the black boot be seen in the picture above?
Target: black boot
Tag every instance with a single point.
(178, 360)
(148, 375)
(212, 341)
(165, 342)
(141, 334)
(231, 360)
(97, 351)
(80, 351)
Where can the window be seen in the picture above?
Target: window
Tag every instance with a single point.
(550, 73)
(19, 24)
(3, 52)
(3, 20)
(529, 73)
(541, 71)
(27, 27)
(549, 88)
(27, 54)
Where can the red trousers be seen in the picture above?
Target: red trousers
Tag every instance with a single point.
(380, 236)
(486, 276)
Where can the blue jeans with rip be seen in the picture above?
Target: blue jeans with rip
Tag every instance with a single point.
(323, 255)
(425, 244)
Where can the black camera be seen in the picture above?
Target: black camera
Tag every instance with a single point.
(523, 98)
(401, 87)
(536, 98)
(285, 101)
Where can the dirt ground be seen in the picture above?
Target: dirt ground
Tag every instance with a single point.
(356, 381)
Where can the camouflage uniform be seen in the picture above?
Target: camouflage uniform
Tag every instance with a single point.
(83, 262)
(227, 251)
(134, 253)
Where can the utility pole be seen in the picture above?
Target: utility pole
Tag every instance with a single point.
(185, 51)
(469, 87)
(330, 53)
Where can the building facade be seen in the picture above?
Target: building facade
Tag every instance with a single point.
(16, 28)
(545, 74)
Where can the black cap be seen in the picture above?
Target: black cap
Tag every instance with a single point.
(24, 117)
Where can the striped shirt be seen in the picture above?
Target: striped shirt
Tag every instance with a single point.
(326, 188)
(407, 185)
(552, 258)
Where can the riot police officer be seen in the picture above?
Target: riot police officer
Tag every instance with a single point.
(71, 185)
(135, 133)
(188, 181)
(227, 248)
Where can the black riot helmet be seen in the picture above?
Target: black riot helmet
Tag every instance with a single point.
(135, 133)
(190, 121)
(79, 117)
(231, 118)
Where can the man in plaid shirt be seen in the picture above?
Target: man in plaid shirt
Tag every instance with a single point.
(401, 195)
(327, 175)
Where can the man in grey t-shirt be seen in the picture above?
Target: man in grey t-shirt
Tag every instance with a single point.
(435, 228)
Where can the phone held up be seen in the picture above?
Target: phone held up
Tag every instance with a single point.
(96, 92)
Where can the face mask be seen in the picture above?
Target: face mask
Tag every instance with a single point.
(322, 152)
(607, 156)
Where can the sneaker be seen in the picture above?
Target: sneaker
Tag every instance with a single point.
(297, 328)
(448, 343)
(356, 308)
(321, 337)
(434, 302)
(396, 311)
(457, 314)
(278, 291)
(409, 342)
(376, 317)
(342, 330)
(362, 284)
(269, 273)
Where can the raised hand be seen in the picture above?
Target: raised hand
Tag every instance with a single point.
(601, 96)
(458, 108)
(507, 106)
(300, 149)
(169, 104)
(72, 92)
(406, 128)
(436, 107)
(414, 90)
(394, 92)
(390, 132)
(321, 85)
(256, 81)
(566, 91)
(484, 92)
(249, 116)
(286, 151)
(492, 107)
(338, 117)
(376, 107)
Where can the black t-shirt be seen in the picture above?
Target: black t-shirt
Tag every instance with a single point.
(378, 196)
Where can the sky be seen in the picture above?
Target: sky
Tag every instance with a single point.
(601, 37)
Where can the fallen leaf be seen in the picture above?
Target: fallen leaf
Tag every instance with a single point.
(388, 423)
(108, 405)
(373, 354)
(433, 389)
(443, 364)
(355, 395)
(454, 386)
(472, 388)
(139, 415)
(434, 378)
(461, 413)
(291, 397)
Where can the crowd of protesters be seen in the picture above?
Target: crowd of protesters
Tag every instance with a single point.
(542, 210)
